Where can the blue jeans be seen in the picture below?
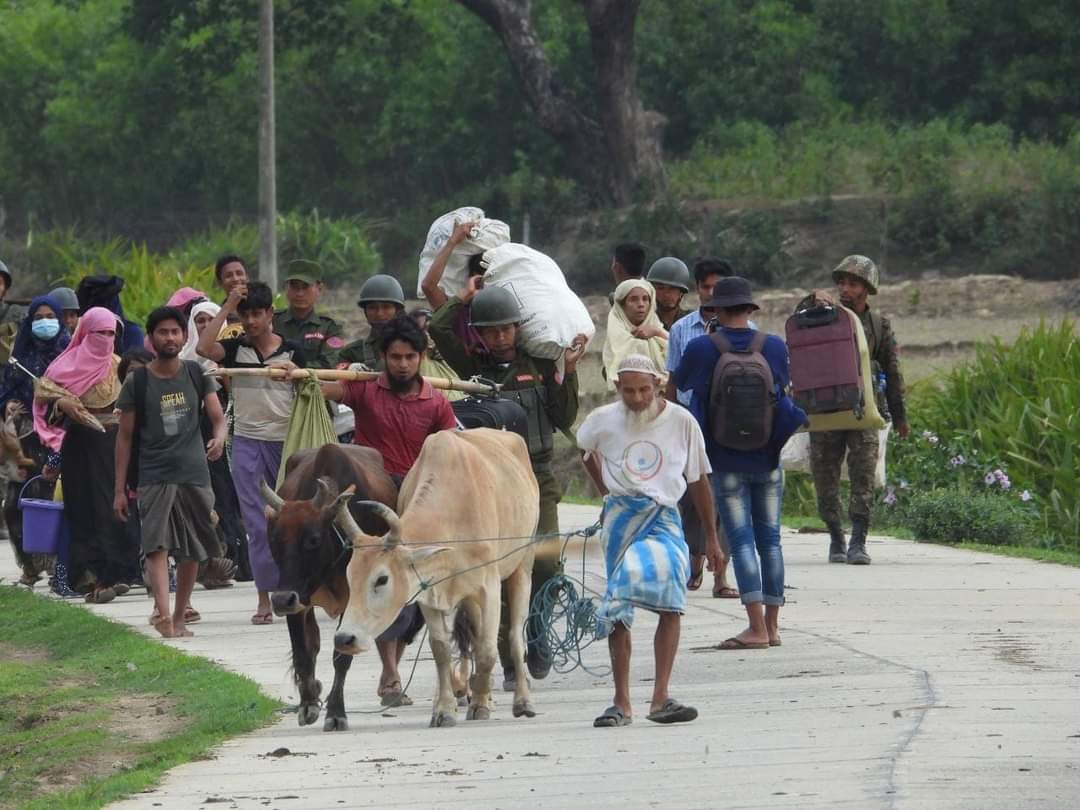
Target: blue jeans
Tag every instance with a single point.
(749, 506)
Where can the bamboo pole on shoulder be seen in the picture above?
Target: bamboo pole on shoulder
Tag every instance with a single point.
(346, 375)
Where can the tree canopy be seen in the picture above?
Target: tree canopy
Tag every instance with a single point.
(121, 110)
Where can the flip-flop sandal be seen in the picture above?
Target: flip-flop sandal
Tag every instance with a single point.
(191, 615)
(164, 626)
(738, 644)
(262, 618)
(121, 588)
(725, 593)
(697, 572)
(673, 712)
(612, 717)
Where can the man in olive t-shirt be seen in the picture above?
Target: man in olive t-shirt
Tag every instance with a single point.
(162, 401)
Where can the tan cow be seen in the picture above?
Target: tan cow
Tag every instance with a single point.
(466, 485)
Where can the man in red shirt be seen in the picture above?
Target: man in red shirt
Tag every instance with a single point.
(395, 414)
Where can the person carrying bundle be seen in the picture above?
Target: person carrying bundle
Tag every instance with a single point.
(550, 399)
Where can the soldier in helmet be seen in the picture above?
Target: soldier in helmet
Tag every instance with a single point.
(856, 280)
(671, 280)
(382, 300)
(549, 398)
(11, 315)
(69, 302)
(320, 335)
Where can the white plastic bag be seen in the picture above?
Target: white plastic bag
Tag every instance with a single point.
(488, 234)
(552, 315)
(795, 456)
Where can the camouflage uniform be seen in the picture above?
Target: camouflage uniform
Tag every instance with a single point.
(11, 316)
(320, 336)
(365, 350)
(549, 403)
(828, 448)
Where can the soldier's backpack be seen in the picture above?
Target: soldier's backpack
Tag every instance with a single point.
(742, 397)
(492, 412)
(825, 369)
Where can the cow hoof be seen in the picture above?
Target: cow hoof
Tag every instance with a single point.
(336, 724)
(524, 709)
(478, 713)
(442, 720)
(308, 713)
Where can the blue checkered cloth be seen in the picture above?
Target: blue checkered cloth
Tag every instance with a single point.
(646, 558)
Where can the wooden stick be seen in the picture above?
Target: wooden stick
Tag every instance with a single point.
(345, 375)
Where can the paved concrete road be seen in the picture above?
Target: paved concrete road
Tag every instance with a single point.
(934, 678)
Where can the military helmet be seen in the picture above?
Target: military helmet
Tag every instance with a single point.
(380, 288)
(495, 306)
(670, 271)
(65, 297)
(858, 267)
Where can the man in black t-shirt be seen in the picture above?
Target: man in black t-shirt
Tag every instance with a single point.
(160, 405)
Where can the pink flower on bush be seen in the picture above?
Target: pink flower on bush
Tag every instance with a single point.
(890, 496)
(989, 479)
(958, 461)
(1025, 496)
(1002, 479)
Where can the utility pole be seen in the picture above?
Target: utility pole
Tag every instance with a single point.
(267, 155)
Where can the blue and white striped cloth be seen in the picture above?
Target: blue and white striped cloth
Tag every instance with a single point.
(646, 558)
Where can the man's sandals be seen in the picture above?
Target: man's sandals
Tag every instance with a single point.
(697, 572)
(671, 712)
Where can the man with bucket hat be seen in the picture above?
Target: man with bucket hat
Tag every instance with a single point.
(739, 378)
(857, 278)
(320, 335)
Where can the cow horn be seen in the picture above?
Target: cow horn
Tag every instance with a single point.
(273, 500)
(392, 537)
(326, 491)
(346, 521)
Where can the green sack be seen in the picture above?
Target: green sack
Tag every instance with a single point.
(310, 425)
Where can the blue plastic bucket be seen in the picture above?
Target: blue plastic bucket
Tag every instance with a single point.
(42, 522)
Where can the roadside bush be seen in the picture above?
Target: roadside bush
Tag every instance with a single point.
(149, 280)
(954, 516)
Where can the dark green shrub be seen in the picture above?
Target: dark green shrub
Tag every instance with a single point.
(954, 516)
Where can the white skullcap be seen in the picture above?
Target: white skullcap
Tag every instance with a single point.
(638, 363)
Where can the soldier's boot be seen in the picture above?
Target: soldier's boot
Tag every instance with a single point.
(837, 546)
(856, 553)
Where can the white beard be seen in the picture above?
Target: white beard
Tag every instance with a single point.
(640, 421)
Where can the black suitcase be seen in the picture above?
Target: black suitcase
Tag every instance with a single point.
(492, 412)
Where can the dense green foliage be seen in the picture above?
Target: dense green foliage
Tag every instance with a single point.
(61, 687)
(138, 116)
(1000, 432)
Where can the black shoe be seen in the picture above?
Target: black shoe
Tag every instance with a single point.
(538, 652)
(856, 553)
(837, 545)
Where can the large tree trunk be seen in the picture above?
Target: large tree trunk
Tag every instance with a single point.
(621, 152)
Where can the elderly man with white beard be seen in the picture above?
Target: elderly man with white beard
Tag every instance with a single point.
(643, 454)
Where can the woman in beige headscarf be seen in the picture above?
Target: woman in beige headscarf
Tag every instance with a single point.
(633, 327)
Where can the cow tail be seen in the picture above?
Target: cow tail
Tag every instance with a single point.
(464, 633)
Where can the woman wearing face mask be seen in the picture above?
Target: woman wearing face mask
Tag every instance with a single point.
(40, 339)
(73, 415)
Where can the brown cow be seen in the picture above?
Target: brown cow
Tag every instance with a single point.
(312, 556)
(476, 486)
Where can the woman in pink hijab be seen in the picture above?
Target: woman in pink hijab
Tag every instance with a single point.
(73, 416)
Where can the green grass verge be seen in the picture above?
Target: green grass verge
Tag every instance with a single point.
(66, 677)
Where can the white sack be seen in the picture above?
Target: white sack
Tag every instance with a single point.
(552, 315)
(488, 234)
(795, 457)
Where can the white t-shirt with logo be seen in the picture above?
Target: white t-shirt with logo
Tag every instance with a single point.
(656, 460)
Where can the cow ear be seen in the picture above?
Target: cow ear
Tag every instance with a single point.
(425, 552)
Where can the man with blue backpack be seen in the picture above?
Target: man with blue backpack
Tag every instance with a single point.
(738, 379)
